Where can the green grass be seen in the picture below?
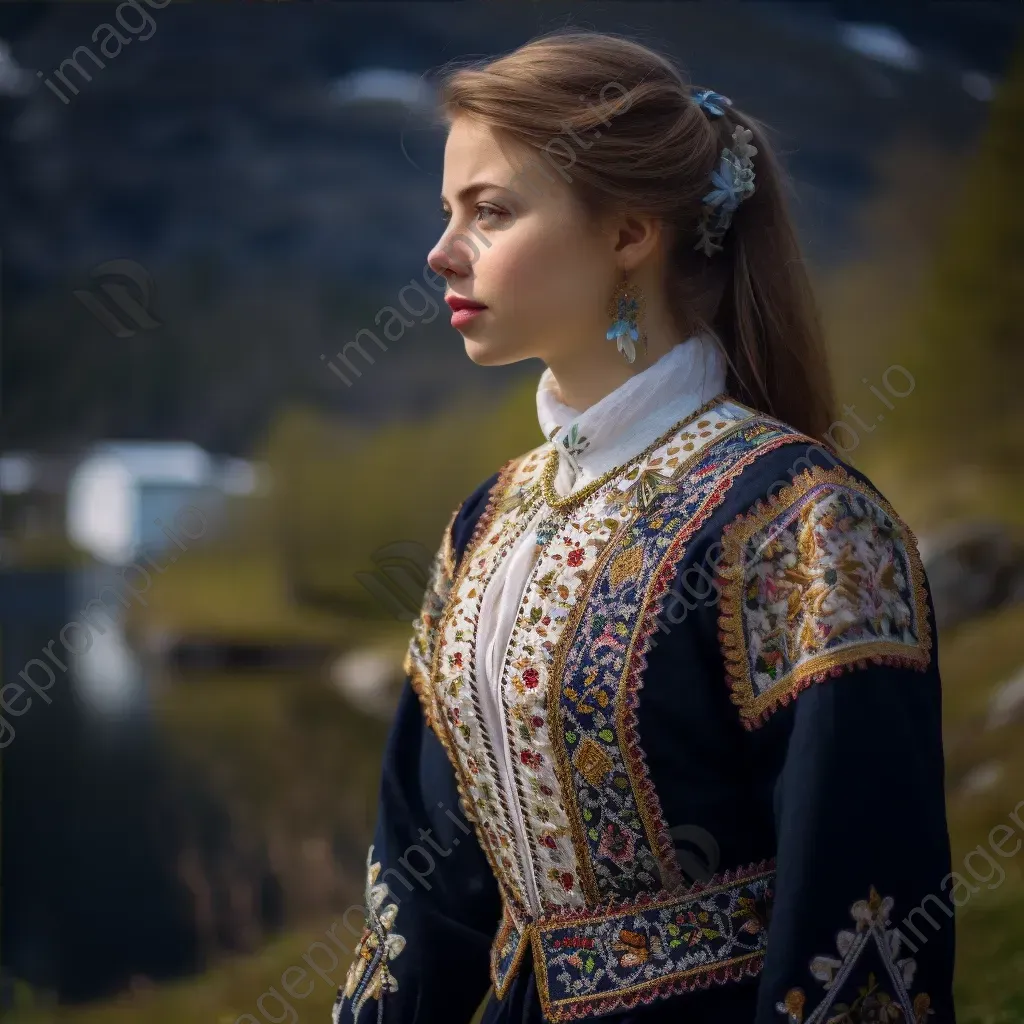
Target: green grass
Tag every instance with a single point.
(219, 996)
(975, 660)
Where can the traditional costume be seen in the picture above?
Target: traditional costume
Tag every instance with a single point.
(670, 745)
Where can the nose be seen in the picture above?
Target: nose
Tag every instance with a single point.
(450, 257)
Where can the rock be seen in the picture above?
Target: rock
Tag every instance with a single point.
(972, 568)
(369, 678)
(1006, 705)
(980, 779)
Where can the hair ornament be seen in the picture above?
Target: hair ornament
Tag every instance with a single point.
(711, 102)
(733, 179)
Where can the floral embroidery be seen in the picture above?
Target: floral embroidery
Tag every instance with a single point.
(606, 790)
(872, 1003)
(574, 442)
(572, 542)
(513, 505)
(592, 964)
(821, 578)
(650, 484)
(369, 976)
(594, 843)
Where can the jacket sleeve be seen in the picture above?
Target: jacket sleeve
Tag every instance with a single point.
(827, 632)
(431, 903)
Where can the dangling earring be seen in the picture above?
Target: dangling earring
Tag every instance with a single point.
(625, 309)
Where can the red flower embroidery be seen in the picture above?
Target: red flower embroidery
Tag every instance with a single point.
(566, 879)
(531, 677)
(575, 557)
(546, 790)
(616, 843)
(549, 840)
(546, 620)
(536, 721)
(531, 758)
(458, 659)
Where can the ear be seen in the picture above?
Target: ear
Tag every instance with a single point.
(638, 236)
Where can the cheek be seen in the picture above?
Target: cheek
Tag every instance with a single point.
(545, 272)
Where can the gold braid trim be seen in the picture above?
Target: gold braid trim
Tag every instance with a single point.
(441, 576)
(418, 678)
(442, 726)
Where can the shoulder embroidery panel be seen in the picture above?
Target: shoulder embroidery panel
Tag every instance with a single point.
(820, 578)
(877, 1000)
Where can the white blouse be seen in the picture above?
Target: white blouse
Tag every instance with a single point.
(590, 443)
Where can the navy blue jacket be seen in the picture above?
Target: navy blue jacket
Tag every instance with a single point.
(737, 749)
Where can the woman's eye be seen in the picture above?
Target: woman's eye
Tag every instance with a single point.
(490, 213)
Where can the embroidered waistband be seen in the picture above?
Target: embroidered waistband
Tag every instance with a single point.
(596, 961)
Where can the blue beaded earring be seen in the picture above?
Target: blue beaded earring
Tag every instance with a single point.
(626, 309)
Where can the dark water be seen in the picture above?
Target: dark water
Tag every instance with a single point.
(90, 823)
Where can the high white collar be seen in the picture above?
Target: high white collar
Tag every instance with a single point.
(610, 432)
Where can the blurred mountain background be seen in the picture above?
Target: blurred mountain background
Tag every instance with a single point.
(193, 231)
(275, 173)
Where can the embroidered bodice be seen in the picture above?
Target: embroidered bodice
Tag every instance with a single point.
(588, 444)
(647, 691)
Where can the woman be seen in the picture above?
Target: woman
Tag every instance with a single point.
(670, 743)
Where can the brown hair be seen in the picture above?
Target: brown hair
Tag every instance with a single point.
(621, 116)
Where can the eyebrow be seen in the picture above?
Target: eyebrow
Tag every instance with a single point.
(471, 190)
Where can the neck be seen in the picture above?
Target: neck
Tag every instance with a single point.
(585, 377)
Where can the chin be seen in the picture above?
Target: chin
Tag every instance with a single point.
(489, 353)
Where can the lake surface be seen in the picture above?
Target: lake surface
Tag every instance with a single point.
(100, 806)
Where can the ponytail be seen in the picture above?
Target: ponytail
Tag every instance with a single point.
(768, 314)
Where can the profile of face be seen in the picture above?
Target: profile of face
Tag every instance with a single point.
(517, 241)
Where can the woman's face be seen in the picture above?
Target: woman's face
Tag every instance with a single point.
(517, 242)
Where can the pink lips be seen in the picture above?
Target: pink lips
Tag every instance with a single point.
(461, 317)
(464, 310)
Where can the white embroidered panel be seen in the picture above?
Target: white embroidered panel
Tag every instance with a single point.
(454, 678)
(559, 582)
(574, 541)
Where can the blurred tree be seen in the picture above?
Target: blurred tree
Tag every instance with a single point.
(341, 494)
(871, 302)
(970, 345)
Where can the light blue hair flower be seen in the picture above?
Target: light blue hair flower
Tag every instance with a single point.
(713, 103)
(734, 181)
